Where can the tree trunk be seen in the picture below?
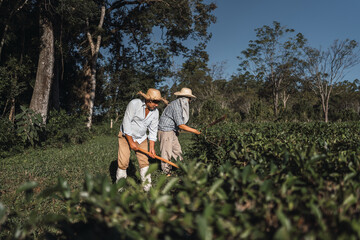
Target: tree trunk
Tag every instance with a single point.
(91, 95)
(59, 69)
(276, 102)
(90, 70)
(12, 110)
(326, 113)
(55, 89)
(327, 107)
(86, 88)
(40, 98)
(285, 98)
(324, 107)
(3, 38)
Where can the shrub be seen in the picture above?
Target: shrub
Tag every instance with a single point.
(259, 111)
(103, 128)
(261, 181)
(63, 128)
(343, 115)
(211, 110)
(29, 126)
(9, 141)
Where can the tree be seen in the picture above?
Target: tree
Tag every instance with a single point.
(143, 36)
(243, 92)
(19, 21)
(12, 84)
(40, 98)
(194, 74)
(133, 41)
(12, 7)
(326, 68)
(290, 83)
(94, 41)
(345, 101)
(274, 52)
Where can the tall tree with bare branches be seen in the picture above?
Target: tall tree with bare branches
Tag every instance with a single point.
(94, 41)
(325, 68)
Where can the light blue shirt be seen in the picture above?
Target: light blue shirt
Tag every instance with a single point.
(135, 124)
(171, 117)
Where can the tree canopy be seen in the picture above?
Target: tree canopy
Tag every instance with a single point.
(90, 57)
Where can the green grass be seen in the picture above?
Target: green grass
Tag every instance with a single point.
(97, 156)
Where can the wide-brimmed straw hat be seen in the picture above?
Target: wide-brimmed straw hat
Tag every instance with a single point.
(185, 92)
(153, 95)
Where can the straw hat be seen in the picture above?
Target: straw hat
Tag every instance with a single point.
(153, 94)
(184, 92)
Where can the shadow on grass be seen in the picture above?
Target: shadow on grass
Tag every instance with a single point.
(112, 170)
(131, 170)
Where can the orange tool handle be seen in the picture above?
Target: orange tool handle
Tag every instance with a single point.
(160, 158)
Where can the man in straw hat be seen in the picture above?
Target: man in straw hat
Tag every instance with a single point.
(140, 116)
(174, 117)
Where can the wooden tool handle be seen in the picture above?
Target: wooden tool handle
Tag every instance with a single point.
(160, 158)
(214, 122)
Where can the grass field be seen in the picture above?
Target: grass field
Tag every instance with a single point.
(96, 157)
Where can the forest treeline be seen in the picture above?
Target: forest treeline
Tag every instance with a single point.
(88, 58)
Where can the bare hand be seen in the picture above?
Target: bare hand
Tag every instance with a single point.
(133, 146)
(152, 153)
(131, 142)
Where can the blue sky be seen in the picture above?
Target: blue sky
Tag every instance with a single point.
(320, 21)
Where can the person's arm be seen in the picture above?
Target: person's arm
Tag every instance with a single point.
(131, 142)
(189, 129)
(153, 126)
(128, 117)
(152, 149)
(153, 129)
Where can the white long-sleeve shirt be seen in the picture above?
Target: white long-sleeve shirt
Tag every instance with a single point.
(136, 125)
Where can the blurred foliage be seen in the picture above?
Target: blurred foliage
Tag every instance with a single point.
(244, 181)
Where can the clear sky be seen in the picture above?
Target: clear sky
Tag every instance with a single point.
(320, 21)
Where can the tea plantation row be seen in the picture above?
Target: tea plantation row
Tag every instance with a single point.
(239, 181)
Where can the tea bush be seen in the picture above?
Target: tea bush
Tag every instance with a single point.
(304, 179)
(244, 181)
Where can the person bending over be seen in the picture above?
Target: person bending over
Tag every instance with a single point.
(141, 115)
(174, 117)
